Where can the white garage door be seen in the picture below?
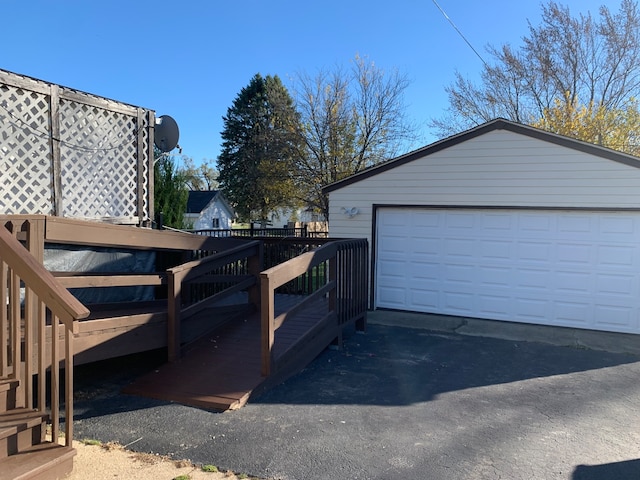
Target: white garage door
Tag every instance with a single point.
(570, 268)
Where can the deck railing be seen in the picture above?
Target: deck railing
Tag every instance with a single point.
(33, 296)
(296, 232)
(336, 271)
(199, 284)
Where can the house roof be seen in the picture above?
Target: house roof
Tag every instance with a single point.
(497, 124)
(198, 200)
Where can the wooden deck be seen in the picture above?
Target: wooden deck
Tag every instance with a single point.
(221, 371)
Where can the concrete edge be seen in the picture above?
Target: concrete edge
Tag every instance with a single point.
(522, 332)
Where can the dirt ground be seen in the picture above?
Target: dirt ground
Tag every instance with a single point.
(109, 462)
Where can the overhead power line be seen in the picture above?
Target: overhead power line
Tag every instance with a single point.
(459, 32)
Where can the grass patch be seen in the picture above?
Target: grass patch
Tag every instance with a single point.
(210, 468)
(88, 441)
(182, 477)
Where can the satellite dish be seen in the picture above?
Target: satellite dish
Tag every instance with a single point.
(166, 134)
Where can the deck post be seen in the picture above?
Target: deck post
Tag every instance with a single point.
(174, 284)
(267, 322)
(254, 264)
(333, 297)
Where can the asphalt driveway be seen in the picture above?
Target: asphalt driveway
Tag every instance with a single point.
(400, 403)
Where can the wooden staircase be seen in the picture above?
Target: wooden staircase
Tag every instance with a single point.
(29, 409)
(24, 452)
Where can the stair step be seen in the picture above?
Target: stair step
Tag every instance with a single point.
(22, 415)
(46, 461)
(8, 389)
(20, 429)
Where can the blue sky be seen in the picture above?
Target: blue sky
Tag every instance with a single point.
(190, 59)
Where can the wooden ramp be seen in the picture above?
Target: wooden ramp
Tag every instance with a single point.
(221, 370)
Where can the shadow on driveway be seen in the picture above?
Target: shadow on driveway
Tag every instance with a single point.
(403, 366)
(629, 470)
(386, 366)
(399, 403)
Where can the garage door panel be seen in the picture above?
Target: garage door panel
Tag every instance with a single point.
(394, 297)
(615, 317)
(426, 219)
(457, 221)
(534, 252)
(625, 286)
(612, 226)
(394, 244)
(535, 225)
(497, 223)
(532, 309)
(402, 219)
(460, 247)
(425, 271)
(575, 227)
(458, 302)
(578, 269)
(425, 298)
(425, 246)
(617, 256)
(534, 279)
(574, 253)
(576, 314)
(458, 274)
(495, 306)
(571, 282)
(393, 269)
(494, 276)
(494, 249)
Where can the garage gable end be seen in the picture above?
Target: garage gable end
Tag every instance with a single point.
(495, 125)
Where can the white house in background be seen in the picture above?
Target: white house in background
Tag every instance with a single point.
(284, 216)
(503, 222)
(208, 210)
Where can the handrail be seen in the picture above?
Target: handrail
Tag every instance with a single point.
(42, 292)
(345, 261)
(287, 271)
(203, 269)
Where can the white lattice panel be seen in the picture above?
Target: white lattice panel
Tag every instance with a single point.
(26, 177)
(98, 160)
(96, 173)
(146, 181)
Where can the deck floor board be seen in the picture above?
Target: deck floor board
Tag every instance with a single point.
(222, 369)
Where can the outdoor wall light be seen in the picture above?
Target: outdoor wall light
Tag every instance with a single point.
(350, 212)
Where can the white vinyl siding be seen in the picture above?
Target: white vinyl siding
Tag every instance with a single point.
(499, 168)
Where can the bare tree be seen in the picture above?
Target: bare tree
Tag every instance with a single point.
(200, 177)
(350, 120)
(574, 60)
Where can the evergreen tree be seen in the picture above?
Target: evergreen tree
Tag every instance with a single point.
(259, 144)
(170, 192)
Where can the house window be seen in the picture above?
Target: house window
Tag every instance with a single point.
(215, 223)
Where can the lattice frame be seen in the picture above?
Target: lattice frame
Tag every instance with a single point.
(26, 176)
(73, 154)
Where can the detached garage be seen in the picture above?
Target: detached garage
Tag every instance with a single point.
(502, 222)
